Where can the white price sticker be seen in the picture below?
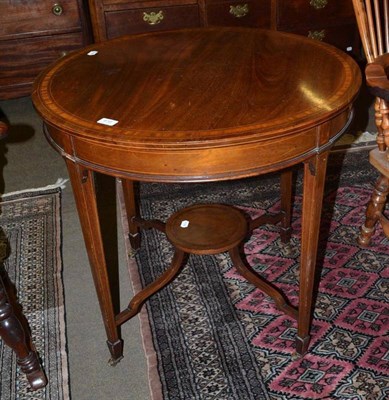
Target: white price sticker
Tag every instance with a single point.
(107, 121)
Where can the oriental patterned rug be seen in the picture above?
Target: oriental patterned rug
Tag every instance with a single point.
(212, 335)
(31, 225)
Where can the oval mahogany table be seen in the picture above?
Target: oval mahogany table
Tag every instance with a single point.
(198, 105)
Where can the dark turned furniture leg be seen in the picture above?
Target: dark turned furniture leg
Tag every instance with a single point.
(84, 190)
(286, 205)
(15, 336)
(132, 210)
(374, 210)
(314, 179)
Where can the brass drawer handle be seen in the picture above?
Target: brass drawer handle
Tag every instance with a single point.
(153, 18)
(318, 3)
(240, 10)
(317, 35)
(57, 9)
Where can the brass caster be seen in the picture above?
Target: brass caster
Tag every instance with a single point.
(132, 253)
(114, 361)
(296, 356)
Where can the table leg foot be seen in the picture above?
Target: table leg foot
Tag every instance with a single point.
(116, 350)
(132, 252)
(134, 242)
(302, 344)
(31, 367)
(17, 337)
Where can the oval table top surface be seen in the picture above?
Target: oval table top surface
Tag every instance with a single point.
(203, 85)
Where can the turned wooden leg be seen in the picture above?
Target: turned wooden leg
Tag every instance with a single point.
(84, 189)
(14, 335)
(286, 205)
(380, 106)
(314, 179)
(132, 210)
(374, 210)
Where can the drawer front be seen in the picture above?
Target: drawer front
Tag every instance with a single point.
(38, 16)
(312, 12)
(18, 69)
(344, 37)
(239, 13)
(140, 20)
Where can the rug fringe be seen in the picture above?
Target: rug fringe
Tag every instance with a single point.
(60, 183)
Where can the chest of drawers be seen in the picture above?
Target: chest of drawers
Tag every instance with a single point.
(332, 21)
(34, 33)
(328, 20)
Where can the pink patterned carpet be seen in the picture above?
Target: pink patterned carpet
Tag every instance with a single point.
(214, 336)
(349, 351)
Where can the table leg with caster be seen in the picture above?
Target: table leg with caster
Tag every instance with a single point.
(314, 180)
(84, 189)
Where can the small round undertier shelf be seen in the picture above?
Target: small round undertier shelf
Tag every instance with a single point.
(206, 228)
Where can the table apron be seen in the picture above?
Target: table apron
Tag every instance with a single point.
(199, 164)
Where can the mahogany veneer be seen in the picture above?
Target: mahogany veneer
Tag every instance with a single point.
(198, 105)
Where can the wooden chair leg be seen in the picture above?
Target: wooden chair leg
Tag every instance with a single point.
(15, 336)
(379, 103)
(374, 210)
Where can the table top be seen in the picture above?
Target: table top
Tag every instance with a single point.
(197, 88)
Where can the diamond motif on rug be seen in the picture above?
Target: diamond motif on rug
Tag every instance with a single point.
(342, 344)
(366, 316)
(369, 261)
(376, 357)
(338, 254)
(347, 283)
(280, 334)
(364, 385)
(380, 290)
(328, 307)
(311, 377)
